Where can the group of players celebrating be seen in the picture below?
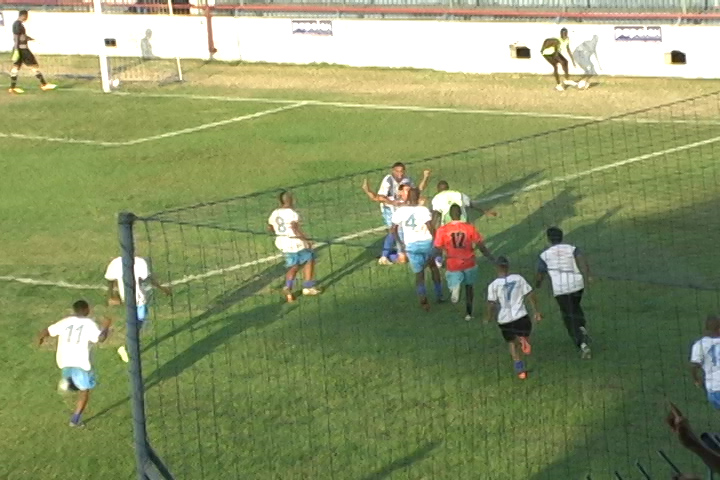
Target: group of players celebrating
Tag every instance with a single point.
(441, 236)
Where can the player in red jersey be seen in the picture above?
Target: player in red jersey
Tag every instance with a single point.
(458, 239)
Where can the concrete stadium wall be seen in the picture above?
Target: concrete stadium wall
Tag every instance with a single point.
(470, 47)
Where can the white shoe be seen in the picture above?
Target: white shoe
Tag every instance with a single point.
(468, 318)
(559, 88)
(583, 85)
(384, 261)
(439, 262)
(310, 292)
(585, 352)
(63, 385)
(455, 294)
(570, 83)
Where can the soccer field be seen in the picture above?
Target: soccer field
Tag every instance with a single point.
(357, 383)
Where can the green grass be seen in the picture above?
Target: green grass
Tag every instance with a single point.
(358, 383)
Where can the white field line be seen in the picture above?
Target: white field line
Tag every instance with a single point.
(161, 136)
(415, 108)
(525, 189)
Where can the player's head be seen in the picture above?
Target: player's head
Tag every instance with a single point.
(554, 235)
(442, 186)
(398, 171)
(502, 264)
(413, 197)
(403, 191)
(455, 211)
(23, 15)
(563, 33)
(286, 199)
(712, 325)
(81, 308)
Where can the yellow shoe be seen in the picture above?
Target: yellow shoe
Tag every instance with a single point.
(16, 90)
(123, 354)
(48, 86)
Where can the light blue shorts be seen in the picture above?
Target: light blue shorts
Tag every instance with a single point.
(142, 313)
(387, 214)
(419, 254)
(298, 258)
(714, 399)
(81, 379)
(461, 277)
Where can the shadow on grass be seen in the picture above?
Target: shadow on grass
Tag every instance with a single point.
(418, 455)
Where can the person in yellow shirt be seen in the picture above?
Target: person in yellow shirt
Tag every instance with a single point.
(552, 49)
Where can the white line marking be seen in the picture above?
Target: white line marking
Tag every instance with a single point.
(525, 189)
(161, 136)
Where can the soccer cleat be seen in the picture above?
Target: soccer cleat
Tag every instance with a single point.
(123, 354)
(520, 370)
(585, 352)
(310, 292)
(16, 90)
(522, 375)
(77, 425)
(439, 262)
(525, 346)
(384, 261)
(48, 86)
(468, 318)
(570, 83)
(455, 294)
(559, 88)
(289, 297)
(402, 258)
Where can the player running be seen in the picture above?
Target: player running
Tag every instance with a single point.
(417, 241)
(144, 283)
(705, 356)
(290, 239)
(76, 333)
(568, 270)
(21, 55)
(552, 49)
(506, 303)
(459, 238)
(389, 188)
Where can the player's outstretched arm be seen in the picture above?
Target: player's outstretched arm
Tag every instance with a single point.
(584, 266)
(696, 373)
(539, 278)
(395, 231)
(488, 212)
(113, 293)
(532, 298)
(486, 253)
(161, 287)
(45, 333)
(425, 179)
(300, 234)
(375, 197)
(681, 427)
(105, 329)
(489, 311)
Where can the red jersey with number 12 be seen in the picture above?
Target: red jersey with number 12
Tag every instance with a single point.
(458, 239)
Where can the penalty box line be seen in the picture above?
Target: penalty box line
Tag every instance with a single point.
(138, 141)
(527, 188)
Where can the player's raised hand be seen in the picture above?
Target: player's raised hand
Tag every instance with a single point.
(426, 173)
(365, 185)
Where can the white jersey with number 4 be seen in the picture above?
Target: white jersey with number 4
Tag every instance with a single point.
(75, 336)
(509, 293)
(143, 289)
(442, 202)
(281, 221)
(413, 221)
(706, 353)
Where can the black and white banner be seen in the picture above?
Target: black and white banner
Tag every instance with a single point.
(638, 34)
(320, 28)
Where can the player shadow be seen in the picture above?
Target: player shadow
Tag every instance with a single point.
(420, 453)
(234, 324)
(366, 256)
(502, 195)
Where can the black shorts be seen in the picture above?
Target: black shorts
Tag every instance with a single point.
(519, 328)
(26, 58)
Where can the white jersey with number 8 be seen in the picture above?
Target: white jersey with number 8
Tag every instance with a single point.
(281, 221)
(413, 221)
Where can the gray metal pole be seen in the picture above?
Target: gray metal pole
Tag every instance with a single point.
(137, 390)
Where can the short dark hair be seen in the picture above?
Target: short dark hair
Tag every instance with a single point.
(398, 164)
(81, 306)
(563, 30)
(443, 185)
(22, 13)
(554, 235)
(502, 261)
(455, 211)
(413, 196)
(283, 196)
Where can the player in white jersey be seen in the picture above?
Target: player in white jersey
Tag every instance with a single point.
(389, 188)
(568, 270)
(144, 282)
(705, 357)
(417, 241)
(76, 335)
(446, 198)
(506, 303)
(295, 246)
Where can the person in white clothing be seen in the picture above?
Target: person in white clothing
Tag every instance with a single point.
(506, 303)
(417, 241)
(76, 335)
(705, 357)
(568, 270)
(389, 189)
(295, 246)
(144, 283)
